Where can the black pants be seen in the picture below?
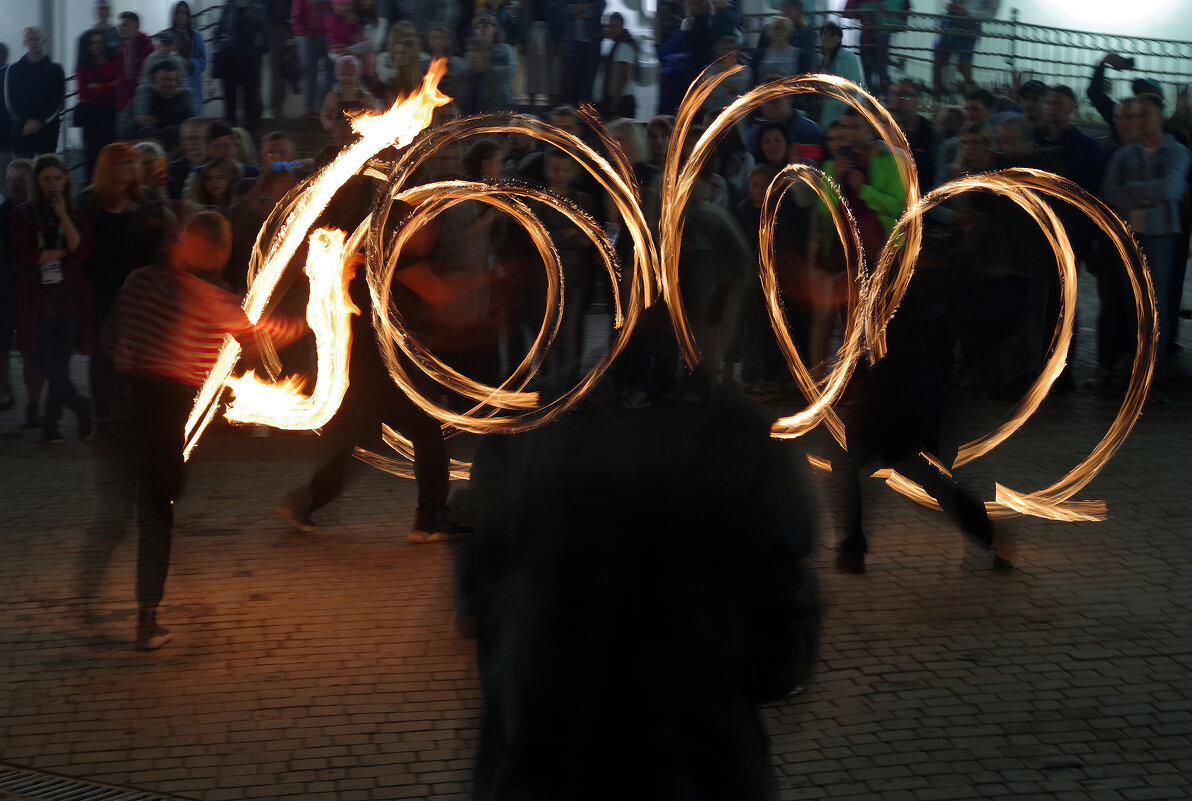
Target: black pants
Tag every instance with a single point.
(99, 131)
(242, 79)
(33, 145)
(107, 383)
(56, 339)
(358, 423)
(139, 466)
(850, 469)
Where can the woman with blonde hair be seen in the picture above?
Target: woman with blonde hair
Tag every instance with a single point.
(400, 67)
(348, 95)
(440, 43)
(246, 151)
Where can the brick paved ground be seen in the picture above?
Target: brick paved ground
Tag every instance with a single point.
(326, 666)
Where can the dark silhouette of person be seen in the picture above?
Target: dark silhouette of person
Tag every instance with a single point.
(372, 399)
(892, 410)
(636, 586)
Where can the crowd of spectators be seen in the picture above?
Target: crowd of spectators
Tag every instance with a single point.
(148, 146)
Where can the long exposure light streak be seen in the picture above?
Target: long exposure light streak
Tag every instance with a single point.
(874, 290)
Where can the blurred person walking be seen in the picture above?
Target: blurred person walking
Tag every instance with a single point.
(165, 333)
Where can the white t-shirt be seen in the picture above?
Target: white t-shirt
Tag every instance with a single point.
(623, 53)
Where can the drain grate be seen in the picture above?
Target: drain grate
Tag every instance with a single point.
(21, 783)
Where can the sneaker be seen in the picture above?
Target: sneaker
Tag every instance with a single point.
(299, 522)
(32, 417)
(151, 638)
(6, 401)
(51, 437)
(85, 429)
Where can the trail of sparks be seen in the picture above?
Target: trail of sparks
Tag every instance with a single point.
(875, 290)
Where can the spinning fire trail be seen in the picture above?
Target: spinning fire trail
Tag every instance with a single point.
(875, 291)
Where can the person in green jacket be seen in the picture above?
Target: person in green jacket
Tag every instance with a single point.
(867, 175)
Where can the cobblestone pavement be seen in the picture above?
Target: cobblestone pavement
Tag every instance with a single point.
(327, 666)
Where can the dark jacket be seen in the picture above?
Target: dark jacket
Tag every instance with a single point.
(75, 296)
(243, 31)
(34, 90)
(637, 587)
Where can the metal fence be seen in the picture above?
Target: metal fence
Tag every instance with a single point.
(1009, 52)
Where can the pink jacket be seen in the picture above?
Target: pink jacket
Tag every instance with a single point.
(308, 17)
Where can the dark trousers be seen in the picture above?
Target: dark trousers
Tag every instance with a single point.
(44, 141)
(99, 132)
(1116, 322)
(107, 383)
(139, 466)
(582, 60)
(242, 80)
(358, 423)
(279, 34)
(1179, 267)
(56, 340)
(850, 469)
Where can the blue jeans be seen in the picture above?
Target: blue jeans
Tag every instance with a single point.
(1160, 256)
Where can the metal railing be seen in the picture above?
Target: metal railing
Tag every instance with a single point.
(70, 100)
(1009, 52)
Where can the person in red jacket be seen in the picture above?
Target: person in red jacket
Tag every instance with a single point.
(97, 77)
(50, 239)
(135, 49)
(308, 22)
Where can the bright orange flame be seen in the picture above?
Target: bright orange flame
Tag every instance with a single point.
(302, 207)
(329, 314)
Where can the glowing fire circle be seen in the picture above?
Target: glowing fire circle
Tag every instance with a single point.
(873, 297)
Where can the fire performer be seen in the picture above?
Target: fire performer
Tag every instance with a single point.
(372, 399)
(892, 411)
(165, 332)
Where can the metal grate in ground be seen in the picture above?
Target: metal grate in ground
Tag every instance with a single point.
(21, 783)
